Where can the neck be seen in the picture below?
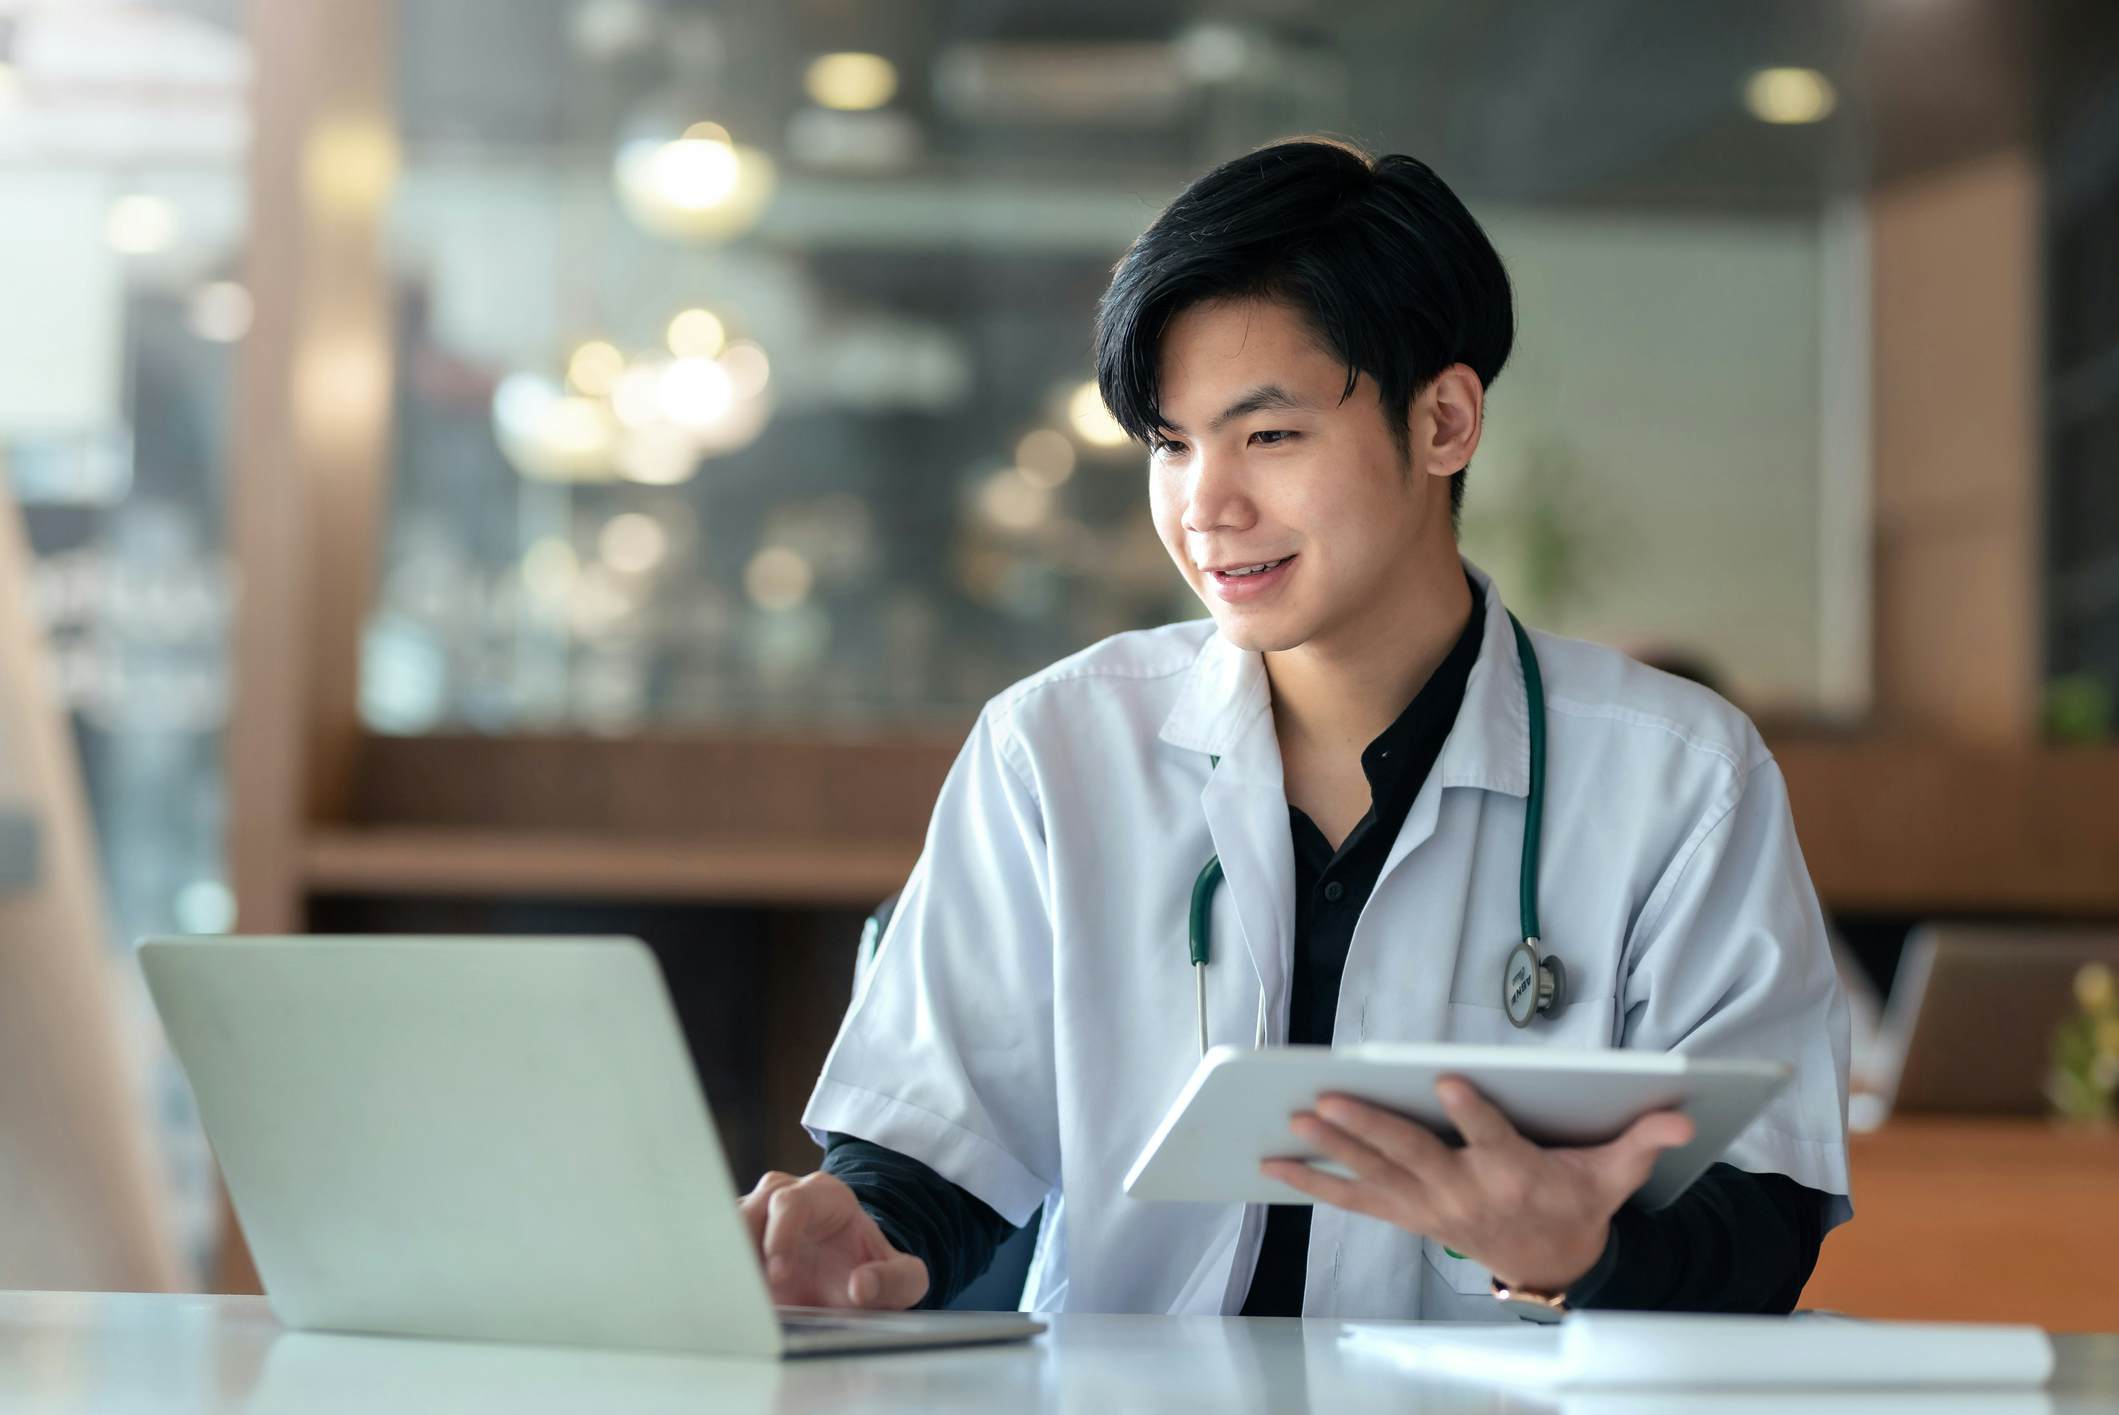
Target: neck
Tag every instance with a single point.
(1335, 694)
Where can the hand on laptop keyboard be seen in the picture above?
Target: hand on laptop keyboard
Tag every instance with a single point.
(819, 1247)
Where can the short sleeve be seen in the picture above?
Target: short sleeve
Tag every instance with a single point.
(946, 1054)
(1730, 958)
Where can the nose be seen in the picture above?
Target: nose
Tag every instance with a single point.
(1215, 498)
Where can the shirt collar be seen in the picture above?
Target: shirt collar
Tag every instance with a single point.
(1224, 710)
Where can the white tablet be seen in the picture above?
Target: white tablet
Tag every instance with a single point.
(1234, 1111)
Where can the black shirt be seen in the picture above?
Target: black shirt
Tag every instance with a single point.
(1331, 889)
(1733, 1242)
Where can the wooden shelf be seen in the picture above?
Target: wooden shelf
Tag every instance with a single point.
(1888, 825)
(410, 860)
(1916, 828)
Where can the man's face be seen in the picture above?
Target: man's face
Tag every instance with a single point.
(1261, 463)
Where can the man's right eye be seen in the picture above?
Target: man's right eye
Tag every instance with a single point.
(1164, 447)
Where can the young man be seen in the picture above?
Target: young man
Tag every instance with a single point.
(1305, 340)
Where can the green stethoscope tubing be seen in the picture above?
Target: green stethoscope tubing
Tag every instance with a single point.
(1534, 803)
(1203, 888)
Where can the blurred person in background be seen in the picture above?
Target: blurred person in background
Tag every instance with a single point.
(1305, 340)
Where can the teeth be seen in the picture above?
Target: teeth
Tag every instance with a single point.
(1251, 569)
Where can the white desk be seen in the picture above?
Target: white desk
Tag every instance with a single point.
(62, 1352)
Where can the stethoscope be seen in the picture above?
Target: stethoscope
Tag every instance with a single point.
(1532, 981)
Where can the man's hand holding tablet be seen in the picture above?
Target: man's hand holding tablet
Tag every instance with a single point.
(1537, 1216)
(1516, 1158)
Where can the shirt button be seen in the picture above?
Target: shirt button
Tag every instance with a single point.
(1334, 891)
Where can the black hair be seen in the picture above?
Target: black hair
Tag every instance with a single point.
(1377, 254)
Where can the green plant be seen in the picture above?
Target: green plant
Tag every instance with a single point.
(2084, 1082)
(2078, 709)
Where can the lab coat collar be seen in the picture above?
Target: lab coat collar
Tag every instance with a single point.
(1489, 747)
(1225, 710)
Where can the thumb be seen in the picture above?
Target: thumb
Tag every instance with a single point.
(1626, 1161)
(889, 1284)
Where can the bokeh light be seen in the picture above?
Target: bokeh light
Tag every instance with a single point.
(696, 334)
(205, 906)
(747, 367)
(851, 82)
(549, 569)
(700, 186)
(594, 368)
(1091, 420)
(220, 312)
(140, 225)
(777, 578)
(1045, 457)
(1013, 502)
(1790, 96)
(694, 393)
(633, 542)
(636, 395)
(548, 435)
(349, 168)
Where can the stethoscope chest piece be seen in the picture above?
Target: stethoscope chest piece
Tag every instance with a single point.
(1531, 984)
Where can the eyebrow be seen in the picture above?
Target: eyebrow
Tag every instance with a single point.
(1258, 400)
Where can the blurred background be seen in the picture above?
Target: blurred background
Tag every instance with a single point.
(578, 465)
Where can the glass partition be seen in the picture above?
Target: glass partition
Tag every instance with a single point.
(743, 349)
(123, 131)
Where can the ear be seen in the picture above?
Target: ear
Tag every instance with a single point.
(1445, 421)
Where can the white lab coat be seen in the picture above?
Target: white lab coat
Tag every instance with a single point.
(1030, 1014)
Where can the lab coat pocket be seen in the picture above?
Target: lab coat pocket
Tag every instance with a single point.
(1462, 1274)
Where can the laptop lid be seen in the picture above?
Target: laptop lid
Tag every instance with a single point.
(1973, 1009)
(482, 1138)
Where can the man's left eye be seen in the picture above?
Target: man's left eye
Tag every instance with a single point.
(1272, 439)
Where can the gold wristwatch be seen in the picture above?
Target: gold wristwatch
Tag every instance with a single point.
(1530, 1304)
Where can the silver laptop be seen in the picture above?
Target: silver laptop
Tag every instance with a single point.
(1973, 1009)
(483, 1138)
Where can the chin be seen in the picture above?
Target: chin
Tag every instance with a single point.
(1259, 633)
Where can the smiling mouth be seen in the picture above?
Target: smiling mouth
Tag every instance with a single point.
(1260, 568)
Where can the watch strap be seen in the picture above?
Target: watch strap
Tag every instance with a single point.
(1529, 1303)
